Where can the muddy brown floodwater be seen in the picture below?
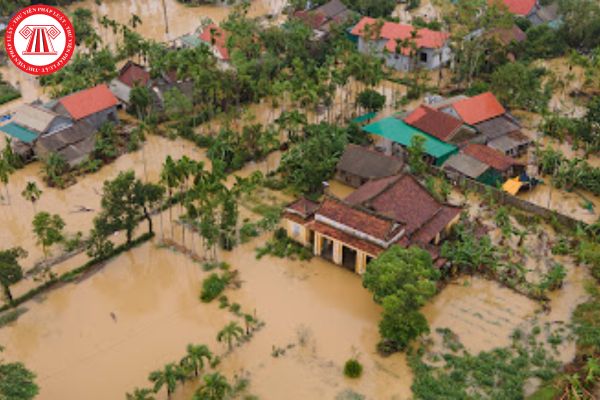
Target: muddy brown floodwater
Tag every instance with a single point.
(15, 219)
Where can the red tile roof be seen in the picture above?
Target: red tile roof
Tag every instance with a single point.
(345, 238)
(490, 156)
(436, 224)
(89, 101)
(426, 38)
(434, 122)
(377, 227)
(518, 7)
(132, 74)
(508, 35)
(478, 108)
(303, 207)
(406, 201)
(369, 190)
(311, 18)
(214, 35)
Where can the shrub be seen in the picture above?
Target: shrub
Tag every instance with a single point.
(212, 287)
(352, 368)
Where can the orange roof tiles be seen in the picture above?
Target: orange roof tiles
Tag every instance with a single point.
(478, 108)
(86, 102)
(425, 38)
(518, 7)
(215, 35)
(134, 74)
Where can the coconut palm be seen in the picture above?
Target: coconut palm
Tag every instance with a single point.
(141, 394)
(6, 169)
(169, 376)
(215, 387)
(194, 360)
(230, 332)
(31, 193)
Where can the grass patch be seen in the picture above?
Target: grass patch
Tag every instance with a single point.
(8, 93)
(214, 285)
(353, 368)
(11, 316)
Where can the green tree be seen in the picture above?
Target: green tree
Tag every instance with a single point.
(31, 193)
(140, 394)
(17, 382)
(401, 280)
(48, 229)
(519, 86)
(54, 168)
(215, 387)
(195, 358)
(416, 154)
(11, 271)
(125, 200)
(371, 100)
(169, 177)
(230, 332)
(169, 376)
(140, 100)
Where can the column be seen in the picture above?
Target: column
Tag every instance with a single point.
(337, 252)
(317, 244)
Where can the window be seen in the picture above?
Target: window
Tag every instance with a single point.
(423, 57)
(295, 230)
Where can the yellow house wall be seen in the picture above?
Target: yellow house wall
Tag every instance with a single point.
(301, 235)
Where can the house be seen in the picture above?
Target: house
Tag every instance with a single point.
(395, 42)
(506, 36)
(533, 10)
(395, 136)
(215, 38)
(29, 123)
(494, 125)
(95, 106)
(359, 164)
(322, 18)
(74, 143)
(394, 210)
(440, 125)
(130, 75)
(462, 164)
(502, 167)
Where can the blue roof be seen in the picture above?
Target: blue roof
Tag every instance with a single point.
(18, 132)
(364, 117)
(398, 131)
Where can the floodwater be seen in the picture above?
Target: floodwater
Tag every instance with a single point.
(16, 218)
(140, 311)
(571, 204)
(181, 19)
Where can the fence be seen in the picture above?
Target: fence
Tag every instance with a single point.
(508, 199)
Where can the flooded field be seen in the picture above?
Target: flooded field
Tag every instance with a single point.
(16, 218)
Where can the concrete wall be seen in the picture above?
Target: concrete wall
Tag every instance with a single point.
(434, 58)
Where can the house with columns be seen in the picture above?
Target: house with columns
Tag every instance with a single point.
(351, 232)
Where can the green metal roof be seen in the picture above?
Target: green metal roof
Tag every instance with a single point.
(397, 131)
(191, 40)
(364, 118)
(18, 132)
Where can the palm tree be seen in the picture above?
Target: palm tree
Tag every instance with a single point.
(231, 331)
(169, 177)
(6, 169)
(169, 376)
(141, 394)
(194, 360)
(215, 387)
(32, 193)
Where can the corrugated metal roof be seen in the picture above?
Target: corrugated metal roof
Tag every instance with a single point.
(398, 131)
(18, 132)
(34, 118)
(466, 165)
